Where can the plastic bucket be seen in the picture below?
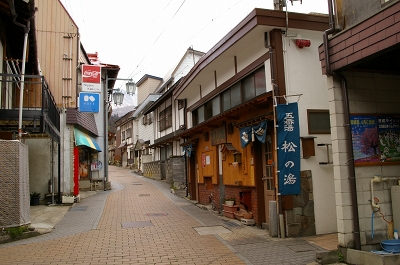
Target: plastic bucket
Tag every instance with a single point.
(391, 245)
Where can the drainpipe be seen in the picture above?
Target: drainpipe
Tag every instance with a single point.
(349, 144)
(21, 92)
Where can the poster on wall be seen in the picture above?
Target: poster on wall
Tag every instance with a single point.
(376, 139)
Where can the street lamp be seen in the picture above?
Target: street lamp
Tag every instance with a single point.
(118, 97)
(130, 88)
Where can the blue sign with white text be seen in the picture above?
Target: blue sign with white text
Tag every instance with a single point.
(288, 148)
(89, 102)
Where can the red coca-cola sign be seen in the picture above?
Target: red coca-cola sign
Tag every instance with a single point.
(91, 74)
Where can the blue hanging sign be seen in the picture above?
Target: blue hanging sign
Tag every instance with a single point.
(288, 148)
(89, 102)
(248, 134)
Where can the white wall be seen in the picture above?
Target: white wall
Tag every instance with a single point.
(374, 94)
(302, 76)
(39, 155)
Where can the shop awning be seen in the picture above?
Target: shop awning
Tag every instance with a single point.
(82, 138)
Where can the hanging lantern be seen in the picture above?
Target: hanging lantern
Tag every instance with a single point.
(130, 88)
(118, 98)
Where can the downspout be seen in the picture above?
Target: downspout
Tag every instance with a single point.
(105, 120)
(22, 81)
(349, 144)
(186, 160)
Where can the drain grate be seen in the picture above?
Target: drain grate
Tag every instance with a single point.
(302, 248)
(78, 209)
(156, 214)
(211, 230)
(137, 183)
(230, 224)
(144, 195)
(136, 224)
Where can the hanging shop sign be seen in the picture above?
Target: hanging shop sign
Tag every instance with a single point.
(96, 166)
(218, 135)
(89, 102)
(376, 139)
(91, 78)
(250, 133)
(288, 144)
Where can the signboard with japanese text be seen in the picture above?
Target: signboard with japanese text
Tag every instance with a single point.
(89, 102)
(91, 78)
(288, 144)
(375, 138)
(218, 135)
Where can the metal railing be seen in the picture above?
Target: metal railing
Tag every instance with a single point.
(39, 106)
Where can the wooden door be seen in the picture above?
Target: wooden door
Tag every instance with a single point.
(268, 174)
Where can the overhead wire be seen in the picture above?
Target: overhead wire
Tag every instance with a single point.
(176, 12)
(178, 46)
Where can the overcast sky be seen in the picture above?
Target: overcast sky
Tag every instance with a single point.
(151, 36)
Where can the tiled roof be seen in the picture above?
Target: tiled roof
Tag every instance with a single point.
(83, 119)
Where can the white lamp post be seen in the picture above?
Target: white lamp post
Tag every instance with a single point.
(118, 97)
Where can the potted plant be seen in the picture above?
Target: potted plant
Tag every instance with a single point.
(230, 201)
(35, 198)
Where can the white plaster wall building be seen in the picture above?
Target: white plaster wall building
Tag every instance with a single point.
(145, 134)
(237, 84)
(169, 122)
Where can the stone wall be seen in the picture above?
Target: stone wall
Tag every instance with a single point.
(301, 219)
(176, 167)
(152, 170)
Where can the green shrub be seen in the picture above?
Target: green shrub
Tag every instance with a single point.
(16, 231)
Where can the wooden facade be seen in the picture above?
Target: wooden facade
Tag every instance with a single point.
(57, 38)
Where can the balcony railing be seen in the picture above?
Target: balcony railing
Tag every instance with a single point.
(39, 111)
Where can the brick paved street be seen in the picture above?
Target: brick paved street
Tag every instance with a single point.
(140, 222)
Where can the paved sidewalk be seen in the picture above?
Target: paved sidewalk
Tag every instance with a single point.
(140, 221)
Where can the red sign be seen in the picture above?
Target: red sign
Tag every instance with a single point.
(91, 78)
(91, 74)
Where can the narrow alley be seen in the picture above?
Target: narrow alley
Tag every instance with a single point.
(140, 221)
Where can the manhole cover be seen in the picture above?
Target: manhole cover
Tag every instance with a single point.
(212, 230)
(156, 214)
(137, 183)
(144, 195)
(78, 208)
(302, 248)
(136, 224)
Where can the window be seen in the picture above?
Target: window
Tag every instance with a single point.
(254, 85)
(144, 120)
(165, 152)
(236, 95)
(165, 119)
(226, 100)
(123, 136)
(249, 89)
(181, 104)
(129, 133)
(150, 118)
(259, 81)
(318, 121)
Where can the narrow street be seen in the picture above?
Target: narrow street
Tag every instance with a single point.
(140, 221)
